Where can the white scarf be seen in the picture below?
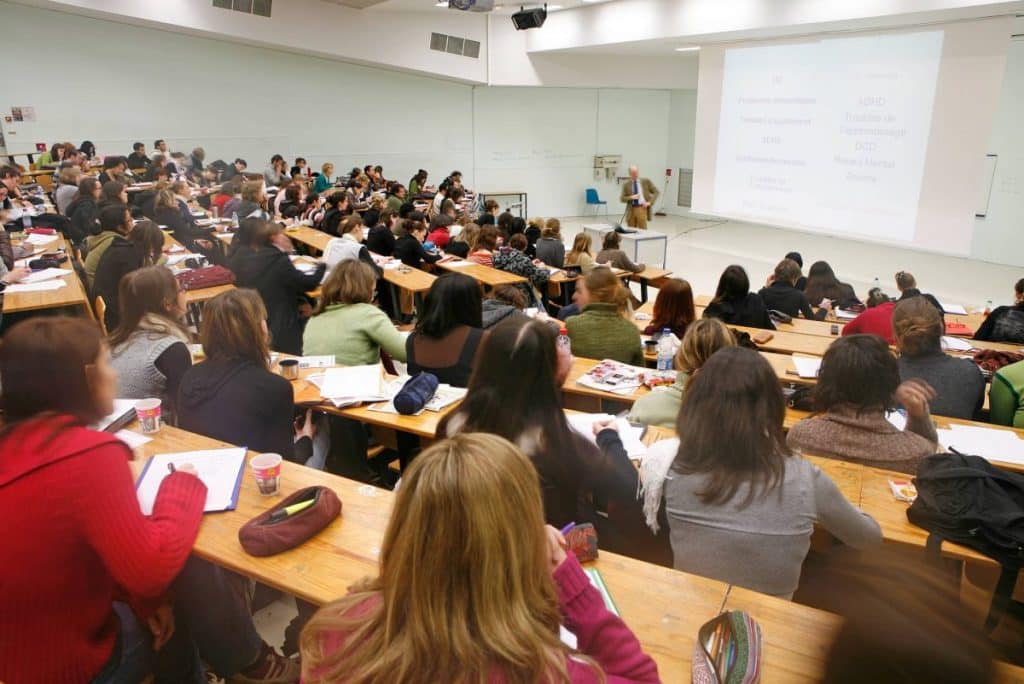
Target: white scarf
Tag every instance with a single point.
(654, 470)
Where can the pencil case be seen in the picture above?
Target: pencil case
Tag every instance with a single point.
(276, 530)
(728, 650)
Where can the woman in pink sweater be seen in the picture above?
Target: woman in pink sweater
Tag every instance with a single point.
(472, 587)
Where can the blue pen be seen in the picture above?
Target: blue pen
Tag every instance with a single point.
(568, 528)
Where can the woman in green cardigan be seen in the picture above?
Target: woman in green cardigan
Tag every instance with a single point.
(661, 406)
(346, 324)
(604, 329)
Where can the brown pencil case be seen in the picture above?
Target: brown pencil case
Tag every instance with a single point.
(274, 531)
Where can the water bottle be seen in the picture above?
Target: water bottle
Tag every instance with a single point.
(563, 339)
(988, 306)
(234, 219)
(26, 220)
(665, 350)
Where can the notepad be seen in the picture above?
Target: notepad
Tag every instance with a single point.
(583, 423)
(45, 286)
(989, 443)
(37, 239)
(953, 308)
(219, 469)
(353, 384)
(46, 274)
(843, 313)
(807, 366)
(955, 344)
(598, 581)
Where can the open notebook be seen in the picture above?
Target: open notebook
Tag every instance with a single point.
(219, 469)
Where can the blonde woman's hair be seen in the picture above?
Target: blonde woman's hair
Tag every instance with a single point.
(327, 168)
(465, 588)
(605, 287)
(165, 198)
(703, 338)
(251, 191)
(536, 222)
(552, 229)
(581, 244)
(350, 282)
(468, 234)
(917, 326)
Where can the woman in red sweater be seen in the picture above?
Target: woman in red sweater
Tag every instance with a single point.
(481, 598)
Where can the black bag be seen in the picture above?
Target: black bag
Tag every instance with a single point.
(801, 399)
(968, 501)
(779, 317)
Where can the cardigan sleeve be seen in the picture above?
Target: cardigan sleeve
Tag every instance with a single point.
(851, 526)
(383, 332)
(142, 554)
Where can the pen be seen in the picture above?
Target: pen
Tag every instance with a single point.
(568, 528)
(170, 467)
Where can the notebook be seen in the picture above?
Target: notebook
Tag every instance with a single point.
(219, 469)
(123, 413)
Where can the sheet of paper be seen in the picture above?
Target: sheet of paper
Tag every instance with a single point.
(583, 423)
(132, 439)
(843, 313)
(37, 239)
(807, 366)
(325, 361)
(898, 419)
(363, 383)
(446, 395)
(990, 443)
(46, 274)
(953, 308)
(955, 344)
(219, 469)
(458, 263)
(175, 259)
(44, 286)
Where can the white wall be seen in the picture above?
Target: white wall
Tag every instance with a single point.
(682, 129)
(1004, 221)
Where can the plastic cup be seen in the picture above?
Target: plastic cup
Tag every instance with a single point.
(148, 411)
(266, 468)
(289, 368)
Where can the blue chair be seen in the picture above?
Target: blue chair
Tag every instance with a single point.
(595, 201)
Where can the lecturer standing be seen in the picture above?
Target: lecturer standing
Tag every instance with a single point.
(639, 194)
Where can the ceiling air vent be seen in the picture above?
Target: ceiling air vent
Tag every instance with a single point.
(454, 45)
(260, 8)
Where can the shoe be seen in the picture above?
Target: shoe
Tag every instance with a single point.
(270, 668)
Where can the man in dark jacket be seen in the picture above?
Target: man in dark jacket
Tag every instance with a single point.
(783, 295)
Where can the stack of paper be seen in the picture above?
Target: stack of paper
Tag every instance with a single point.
(44, 286)
(219, 469)
(354, 385)
(807, 366)
(955, 344)
(990, 443)
(953, 309)
(37, 239)
(46, 274)
(583, 423)
(843, 313)
(175, 259)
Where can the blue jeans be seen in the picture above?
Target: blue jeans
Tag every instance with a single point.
(212, 620)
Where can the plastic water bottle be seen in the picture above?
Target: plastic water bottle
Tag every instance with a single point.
(988, 306)
(234, 219)
(665, 350)
(563, 339)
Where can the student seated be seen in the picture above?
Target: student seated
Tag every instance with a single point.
(735, 304)
(95, 550)
(323, 181)
(1006, 398)
(513, 259)
(409, 246)
(604, 329)
(149, 350)
(533, 232)
(875, 320)
(673, 308)
(801, 282)
(171, 210)
(516, 587)
(550, 249)
(783, 295)
(448, 330)
(115, 222)
(858, 383)
(907, 285)
(83, 211)
(581, 255)
(440, 226)
(143, 247)
(741, 506)
(503, 302)
(578, 479)
(232, 395)
(380, 239)
(702, 339)
(462, 244)
(485, 246)
(260, 262)
(489, 215)
(67, 189)
(1005, 323)
(349, 245)
(338, 208)
(347, 324)
(822, 283)
(138, 159)
(418, 183)
(612, 255)
(958, 383)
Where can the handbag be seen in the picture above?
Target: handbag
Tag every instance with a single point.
(210, 276)
(277, 529)
(415, 393)
(728, 650)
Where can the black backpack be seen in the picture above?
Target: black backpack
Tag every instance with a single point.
(966, 500)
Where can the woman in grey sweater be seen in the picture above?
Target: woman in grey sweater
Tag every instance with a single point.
(741, 506)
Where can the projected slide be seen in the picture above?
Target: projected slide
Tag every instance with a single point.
(828, 134)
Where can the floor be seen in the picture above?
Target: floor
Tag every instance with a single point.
(698, 250)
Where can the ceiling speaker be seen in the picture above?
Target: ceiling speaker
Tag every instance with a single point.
(530, 18)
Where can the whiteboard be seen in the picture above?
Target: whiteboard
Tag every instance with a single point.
(988, 174)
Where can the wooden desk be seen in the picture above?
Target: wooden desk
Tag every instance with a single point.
(195, 297)
(485, 275)
(311, 237)
(71, 295)
(590, 399)
(412, 280)
(645, 277)
(663, 607)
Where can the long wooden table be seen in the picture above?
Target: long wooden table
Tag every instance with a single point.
(485, 275)
(71, 295)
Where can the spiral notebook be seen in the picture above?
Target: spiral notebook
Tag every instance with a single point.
(219, 469)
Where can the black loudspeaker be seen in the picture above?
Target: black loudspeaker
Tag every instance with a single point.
(530, 19)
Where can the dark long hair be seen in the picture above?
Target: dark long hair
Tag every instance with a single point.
(45, 367)
(499, 402)
(452, 300)
(733, 284)
(857, 371)
(730, 427)
(822, 283)
(143, 292)
(149, 240)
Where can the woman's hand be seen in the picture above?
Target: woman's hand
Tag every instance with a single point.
(161, 624)
(15, 275)
(556, 546)
(305, 427)
(826, 304)
(915, 395)
(607, 424)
